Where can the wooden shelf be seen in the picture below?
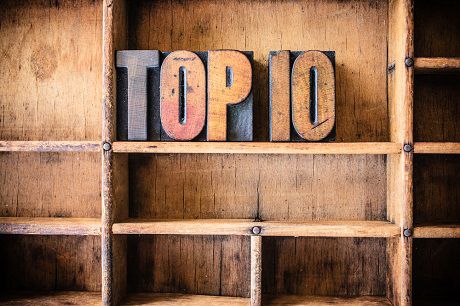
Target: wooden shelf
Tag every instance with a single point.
(50, 226)
(437, 147)
(268, 228)
(183, 299)
(50, 146)
(437, 231)
(425, 65)
(52, 298)
(259, 147)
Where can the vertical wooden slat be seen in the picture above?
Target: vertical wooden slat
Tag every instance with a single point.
(399, 199)
(113, 277)
(256, 270)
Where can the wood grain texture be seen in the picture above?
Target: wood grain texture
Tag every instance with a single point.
(136, 64)
(50, 146)
(437, 28)
(50, 185)
(190, 186)
(225, 90)
(326, 300)
(258, 148)
(50, 226)
(436, 108)
(437, 231)
(175, 299)
(437, 147)
(214, 265)
(324, 266)
(268, 228)
(50, 263)
(436, 65)
(279, 83)
(361, 109)
(193, 94)
(46, 62)
(436, 268)
(436, 192)
(55, 298)
(256, 271)
(301, 83)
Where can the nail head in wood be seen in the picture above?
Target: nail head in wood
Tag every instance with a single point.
(409, 62)
(256, 230)
(408, 148)
(107, 146)
(407, 233)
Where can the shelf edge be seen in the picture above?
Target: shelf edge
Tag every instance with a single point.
(50, 146)
(50, 226)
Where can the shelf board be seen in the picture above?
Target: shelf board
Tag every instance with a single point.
(437, 147)
(50, 226)
(186, 299)
(426, 65)
(437, 231)
(50, 146)
(259, 147)
(52, 298)
(326, 300)
(268, 228)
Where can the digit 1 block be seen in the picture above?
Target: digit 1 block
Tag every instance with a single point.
(132, 92)
(182, 95)
(279, 83)
(230, 103)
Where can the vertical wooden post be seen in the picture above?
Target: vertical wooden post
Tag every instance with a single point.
(256, 270)
(113, 38)
(400, 199)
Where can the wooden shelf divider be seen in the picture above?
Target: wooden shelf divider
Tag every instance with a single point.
(259, 147)
(244, 227)
(50, 146)
(437, 147)
(50, 226)
(426, 65)
(437, 231)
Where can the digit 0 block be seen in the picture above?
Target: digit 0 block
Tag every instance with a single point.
(230, 102)
(311, 94)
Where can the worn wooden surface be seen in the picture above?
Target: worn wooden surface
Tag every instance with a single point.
(259, 148)
(436, 108)
(183, 98)
(268, 228)
(52, 298)
(326, 300)
(436, 65)
(324, 266)
(214, 265)
(50, 185)
(256, 271)
(279, 83)
(50, 85)
(229, 85)
(175, 299)
(50, 263)
(437, 147)
(437, 231)
(189, 186)
(306, 101)
(436, 189)
(436, 268)
(50, 146)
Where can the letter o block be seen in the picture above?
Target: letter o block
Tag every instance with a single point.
(182, 95)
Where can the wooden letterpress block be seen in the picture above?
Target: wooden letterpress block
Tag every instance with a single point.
(230, 104)
(313, 95)
(132, 93)
(182, 95)
(279, 83)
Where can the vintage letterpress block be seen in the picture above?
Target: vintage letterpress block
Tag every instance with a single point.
(132, 91)
(313, 96)
(182, 95)
(279, 95)
(230, 104)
